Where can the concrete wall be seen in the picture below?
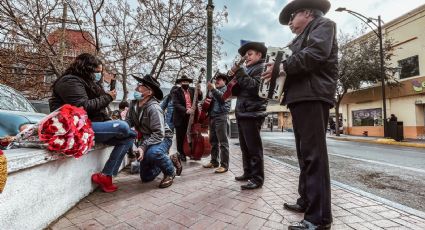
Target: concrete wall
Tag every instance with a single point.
(40, 189)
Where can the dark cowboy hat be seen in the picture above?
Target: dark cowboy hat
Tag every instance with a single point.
(222, 76)
(153, 84)
(184, 78)
(285, 14)
(249, 45)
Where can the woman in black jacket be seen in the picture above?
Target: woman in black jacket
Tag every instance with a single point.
(79, 86)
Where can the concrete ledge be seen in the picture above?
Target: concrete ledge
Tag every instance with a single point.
(382, 141)
(40, 188)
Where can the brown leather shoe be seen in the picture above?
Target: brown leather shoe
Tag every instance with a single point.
(210, 165)
(177, 163)
(221, 170)
(166, 182)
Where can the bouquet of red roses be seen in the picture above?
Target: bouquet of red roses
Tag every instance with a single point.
(65, 131)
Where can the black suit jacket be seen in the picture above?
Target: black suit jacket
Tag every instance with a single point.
(180, 117)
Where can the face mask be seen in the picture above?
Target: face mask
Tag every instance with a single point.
(185, 87)
(97, 76)
(138, 95)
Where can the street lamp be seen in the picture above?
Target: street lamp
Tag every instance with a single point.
(210, 10)
(367, 21)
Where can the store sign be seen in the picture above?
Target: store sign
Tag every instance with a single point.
(418, 86)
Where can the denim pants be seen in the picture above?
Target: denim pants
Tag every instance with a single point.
(118, 134)
(156, 160)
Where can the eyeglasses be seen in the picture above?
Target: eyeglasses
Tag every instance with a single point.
(295, 14)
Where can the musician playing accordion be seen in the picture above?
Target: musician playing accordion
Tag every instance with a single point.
(309, 92)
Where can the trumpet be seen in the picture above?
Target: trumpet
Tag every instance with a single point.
(273, 88)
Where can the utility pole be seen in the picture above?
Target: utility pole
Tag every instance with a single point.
(63, 34)
(210, 10)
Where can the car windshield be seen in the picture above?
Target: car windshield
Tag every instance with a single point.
(10, 99)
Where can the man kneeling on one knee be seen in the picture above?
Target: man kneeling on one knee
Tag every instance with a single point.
(146, 115)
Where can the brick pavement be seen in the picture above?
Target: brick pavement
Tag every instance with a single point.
(200, 199)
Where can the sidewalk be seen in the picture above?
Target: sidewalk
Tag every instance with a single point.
(418, 143)
(200, 199)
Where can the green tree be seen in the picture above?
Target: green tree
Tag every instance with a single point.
(359, 64)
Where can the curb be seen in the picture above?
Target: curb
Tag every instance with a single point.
(371, 196)
(381, 141)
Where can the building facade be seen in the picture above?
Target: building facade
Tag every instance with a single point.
(363, 110)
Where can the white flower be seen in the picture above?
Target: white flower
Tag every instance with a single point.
(59, 126)
(71, 143)
(76, 119)
(59, 141)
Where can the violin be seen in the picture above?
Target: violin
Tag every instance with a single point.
(206, 104)
(228, 93)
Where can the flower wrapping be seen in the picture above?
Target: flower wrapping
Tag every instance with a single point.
(66, 131)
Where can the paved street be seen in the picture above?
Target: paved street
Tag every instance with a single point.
(200, 199)
(393, 172)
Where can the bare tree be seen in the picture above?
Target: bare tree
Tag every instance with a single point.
(177, 35)
(124, 38)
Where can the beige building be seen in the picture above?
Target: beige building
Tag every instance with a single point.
(362, 109)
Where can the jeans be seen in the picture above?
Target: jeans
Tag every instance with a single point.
(118, 134)
(219, 141)
(156, 160)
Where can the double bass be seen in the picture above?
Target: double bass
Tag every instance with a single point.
(196, 144)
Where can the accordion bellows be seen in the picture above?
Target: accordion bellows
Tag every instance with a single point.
(3, 171)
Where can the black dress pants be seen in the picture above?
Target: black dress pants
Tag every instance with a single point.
(181, 130)
(310, 120)
(252, 148)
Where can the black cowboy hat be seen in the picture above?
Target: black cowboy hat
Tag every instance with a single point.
(249, 45)
(285, 14)
(153, 84)
(184, 78)
(222, 76)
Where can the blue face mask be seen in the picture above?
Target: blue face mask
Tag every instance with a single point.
(138, 95)
(97, 76)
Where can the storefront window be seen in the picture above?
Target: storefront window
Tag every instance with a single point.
(409, 67)
(367, 117)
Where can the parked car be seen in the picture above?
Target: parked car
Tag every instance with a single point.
(41, 106)
(15, 111)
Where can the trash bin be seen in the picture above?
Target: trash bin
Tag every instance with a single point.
(395, 130)
(234, 133)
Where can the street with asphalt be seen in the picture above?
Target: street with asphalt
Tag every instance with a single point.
(393, 172)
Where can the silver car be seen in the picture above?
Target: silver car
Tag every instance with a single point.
(15, 111)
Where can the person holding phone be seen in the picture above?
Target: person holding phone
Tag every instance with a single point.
(79, 86)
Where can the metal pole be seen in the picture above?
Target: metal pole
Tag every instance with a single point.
(62, 39)
(382, 73)
(210, 9)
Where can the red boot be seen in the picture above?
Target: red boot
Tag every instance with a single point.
(104, 181)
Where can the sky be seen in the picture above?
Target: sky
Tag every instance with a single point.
(257, 20)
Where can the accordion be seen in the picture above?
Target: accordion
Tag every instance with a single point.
(273, 88)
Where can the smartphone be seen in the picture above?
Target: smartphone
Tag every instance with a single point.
(113, 83)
